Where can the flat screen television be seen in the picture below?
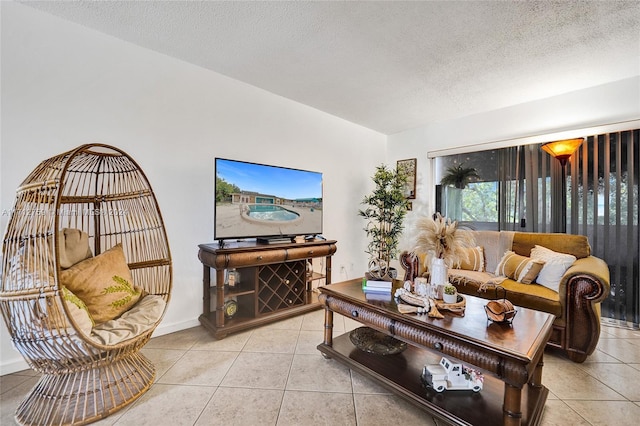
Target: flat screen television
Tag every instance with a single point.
(269, 203)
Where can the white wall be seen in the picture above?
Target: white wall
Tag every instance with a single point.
(64, 85)
(610, 103)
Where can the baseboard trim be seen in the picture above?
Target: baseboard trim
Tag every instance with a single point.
(17, 363)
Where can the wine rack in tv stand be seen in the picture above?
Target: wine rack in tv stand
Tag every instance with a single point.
(273, 282)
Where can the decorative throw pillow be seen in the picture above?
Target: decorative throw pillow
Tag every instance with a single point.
(519, 268)
(103, 283)
(474, 259)
(73, 247)
(78, 311)
(555, 265)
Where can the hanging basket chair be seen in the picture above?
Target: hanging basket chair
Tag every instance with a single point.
(99, 196)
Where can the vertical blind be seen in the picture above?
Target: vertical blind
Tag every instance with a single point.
(604, 204)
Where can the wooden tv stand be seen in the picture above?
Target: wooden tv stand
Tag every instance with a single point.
(273, 282)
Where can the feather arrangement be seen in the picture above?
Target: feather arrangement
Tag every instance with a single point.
(439, 237)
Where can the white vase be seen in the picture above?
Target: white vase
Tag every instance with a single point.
(438, 272)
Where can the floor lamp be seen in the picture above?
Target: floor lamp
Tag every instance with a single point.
(562, 150)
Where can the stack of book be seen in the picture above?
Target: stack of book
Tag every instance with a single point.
(371, 286)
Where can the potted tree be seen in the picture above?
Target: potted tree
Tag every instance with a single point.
(385, 212)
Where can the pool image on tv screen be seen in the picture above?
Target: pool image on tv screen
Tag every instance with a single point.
(257, 200)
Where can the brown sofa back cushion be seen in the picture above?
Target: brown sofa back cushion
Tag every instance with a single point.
(577, 245)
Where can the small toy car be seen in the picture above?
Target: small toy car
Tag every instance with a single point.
(451, 376)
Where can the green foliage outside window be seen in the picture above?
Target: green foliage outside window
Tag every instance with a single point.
(224, 190)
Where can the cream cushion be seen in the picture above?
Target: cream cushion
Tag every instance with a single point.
(78, 311)
(140, 318)
(103, 283)
(73, 247)
(555, 265)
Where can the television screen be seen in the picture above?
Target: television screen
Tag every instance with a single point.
(257, 200)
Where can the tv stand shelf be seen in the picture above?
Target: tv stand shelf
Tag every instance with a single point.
(273, 282)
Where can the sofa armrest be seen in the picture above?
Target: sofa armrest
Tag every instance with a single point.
(594, 268)
(582, 288)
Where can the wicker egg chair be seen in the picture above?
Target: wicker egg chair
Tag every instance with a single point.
(101, 191)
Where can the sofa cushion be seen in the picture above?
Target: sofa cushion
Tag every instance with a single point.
(576, 245)
(532, 296)
(103, 283)
(555, 265)
(473, 259)
(78, 311)
(140, 318)
(519, 268)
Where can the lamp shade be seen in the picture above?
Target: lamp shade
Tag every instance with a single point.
(562, 149)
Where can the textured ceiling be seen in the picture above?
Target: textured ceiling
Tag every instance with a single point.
(389, 66)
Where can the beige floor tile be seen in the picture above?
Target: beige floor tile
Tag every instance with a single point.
(232, 343)
(599, 356)
(620, 377)
(296, 386)
(162, 359)
(259, 370)
(203, 368)
(13, 397)
(569, 381)
(374, 410)
(621, 349)
(619, 332)
(272, 341)
(184, 339)
(242, 407)
(607, 413)
(315, 373)
(317, 409)
(308, 341)
(294, 323)
(557, 413)
(10, 381)
(168, 405)
(315, 321)
(362, 384)
(635, 342)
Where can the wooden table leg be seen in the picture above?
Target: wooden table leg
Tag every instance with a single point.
(328, 329)
(512, 413)
(536, 377)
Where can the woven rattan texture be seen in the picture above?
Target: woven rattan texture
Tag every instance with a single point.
(102, 191)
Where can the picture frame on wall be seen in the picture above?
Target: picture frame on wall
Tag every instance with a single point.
(409, 167)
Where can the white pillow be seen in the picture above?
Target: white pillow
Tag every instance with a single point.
(555, 265)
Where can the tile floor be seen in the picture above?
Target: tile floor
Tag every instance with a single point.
(274, 375)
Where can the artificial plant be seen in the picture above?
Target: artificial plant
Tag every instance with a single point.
(459, 176)
(385, 212)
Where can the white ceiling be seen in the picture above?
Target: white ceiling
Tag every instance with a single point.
(388, 66)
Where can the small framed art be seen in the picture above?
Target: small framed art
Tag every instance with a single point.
(409, 167)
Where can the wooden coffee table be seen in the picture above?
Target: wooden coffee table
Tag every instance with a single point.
(510, 356)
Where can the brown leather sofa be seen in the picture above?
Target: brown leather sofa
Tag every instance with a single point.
(576, 304)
